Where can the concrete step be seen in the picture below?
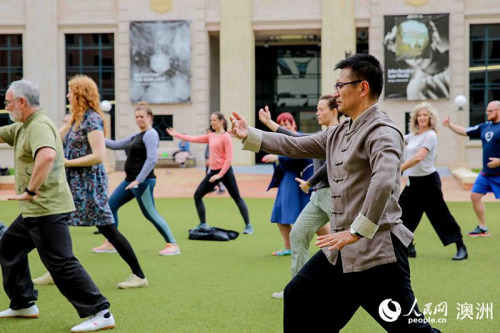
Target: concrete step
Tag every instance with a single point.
(465, 177)
(7, 182)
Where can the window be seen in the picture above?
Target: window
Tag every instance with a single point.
(288, 79)
(484, 69)
(362, 40)
(11, 66)
(297, 77)
(160, 124)
(93, 55)
(4, 119)
(407, 122)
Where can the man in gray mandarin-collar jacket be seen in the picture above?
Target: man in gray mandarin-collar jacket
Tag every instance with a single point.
(364, 258)
(362, 159)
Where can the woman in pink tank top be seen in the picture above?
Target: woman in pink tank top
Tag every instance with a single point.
(220, 157)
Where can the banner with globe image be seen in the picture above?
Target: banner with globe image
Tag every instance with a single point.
(417, 57)
(160, 62)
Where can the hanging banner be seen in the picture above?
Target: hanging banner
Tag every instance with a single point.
(417, 57)
(160, 62)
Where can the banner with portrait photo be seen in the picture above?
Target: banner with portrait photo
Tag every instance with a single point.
(160, 62)
(417, 57)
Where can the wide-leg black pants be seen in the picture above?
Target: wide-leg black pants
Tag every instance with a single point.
(51, 237)
(424, 195)
(322, 298)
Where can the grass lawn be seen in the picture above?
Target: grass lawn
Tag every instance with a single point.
(227, 286)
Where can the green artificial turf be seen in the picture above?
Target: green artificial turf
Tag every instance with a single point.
(227, 286)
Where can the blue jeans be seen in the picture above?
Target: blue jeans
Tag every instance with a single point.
(144, 195)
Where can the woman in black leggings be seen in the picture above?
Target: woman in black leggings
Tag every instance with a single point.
(220, 158)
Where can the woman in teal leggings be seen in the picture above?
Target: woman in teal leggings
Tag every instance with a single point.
(140, 180)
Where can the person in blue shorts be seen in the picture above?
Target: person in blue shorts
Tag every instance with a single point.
(488, 179)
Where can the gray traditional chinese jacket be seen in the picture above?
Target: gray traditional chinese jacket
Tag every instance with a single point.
(363, 161)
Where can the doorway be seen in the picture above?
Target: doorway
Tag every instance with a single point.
(288, 79)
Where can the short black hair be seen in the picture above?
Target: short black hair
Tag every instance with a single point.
(365, 67)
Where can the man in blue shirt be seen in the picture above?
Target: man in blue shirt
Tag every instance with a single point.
(489, 178)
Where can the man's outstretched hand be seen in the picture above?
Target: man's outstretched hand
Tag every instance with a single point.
(239, 126)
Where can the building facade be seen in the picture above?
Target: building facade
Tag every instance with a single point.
(243, 54)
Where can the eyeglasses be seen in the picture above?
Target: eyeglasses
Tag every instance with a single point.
(7, 102)
(340, 85)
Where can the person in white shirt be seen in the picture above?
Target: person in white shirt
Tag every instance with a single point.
(422, 193)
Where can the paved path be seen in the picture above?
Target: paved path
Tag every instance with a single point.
(252, 183)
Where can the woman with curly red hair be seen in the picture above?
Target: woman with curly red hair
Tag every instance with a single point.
(84, 152)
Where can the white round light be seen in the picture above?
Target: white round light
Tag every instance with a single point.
(105, 106)
(460, 101)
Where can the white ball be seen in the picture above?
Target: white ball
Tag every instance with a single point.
(460, 101)
(105, 106)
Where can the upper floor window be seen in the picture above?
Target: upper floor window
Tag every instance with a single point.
(11, 66)
(93, 55)
(484, 69)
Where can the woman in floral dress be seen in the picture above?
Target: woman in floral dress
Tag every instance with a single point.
(84, 152)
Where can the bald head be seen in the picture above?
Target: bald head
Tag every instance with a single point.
(493, 111)
(494, 104)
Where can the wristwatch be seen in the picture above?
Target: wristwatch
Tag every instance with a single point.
(30, 192)
(354, 233)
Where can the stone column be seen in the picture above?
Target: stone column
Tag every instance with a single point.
(237, 66)
(338, 39)
(40, 47)
(458, 85)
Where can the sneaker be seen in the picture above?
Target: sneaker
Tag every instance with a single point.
(283, 252)
(170, 250)
(44, 280)
(100, 321)
(220, 191)
(479, 232)
(203, 226)
(107, 247)
(133, 281)
(30, 313)
(248, 229)
(97, 232)
(278, 295)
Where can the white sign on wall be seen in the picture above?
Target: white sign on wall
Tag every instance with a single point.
(160, 62)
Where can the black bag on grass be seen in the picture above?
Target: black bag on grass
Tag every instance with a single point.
(214, 234)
